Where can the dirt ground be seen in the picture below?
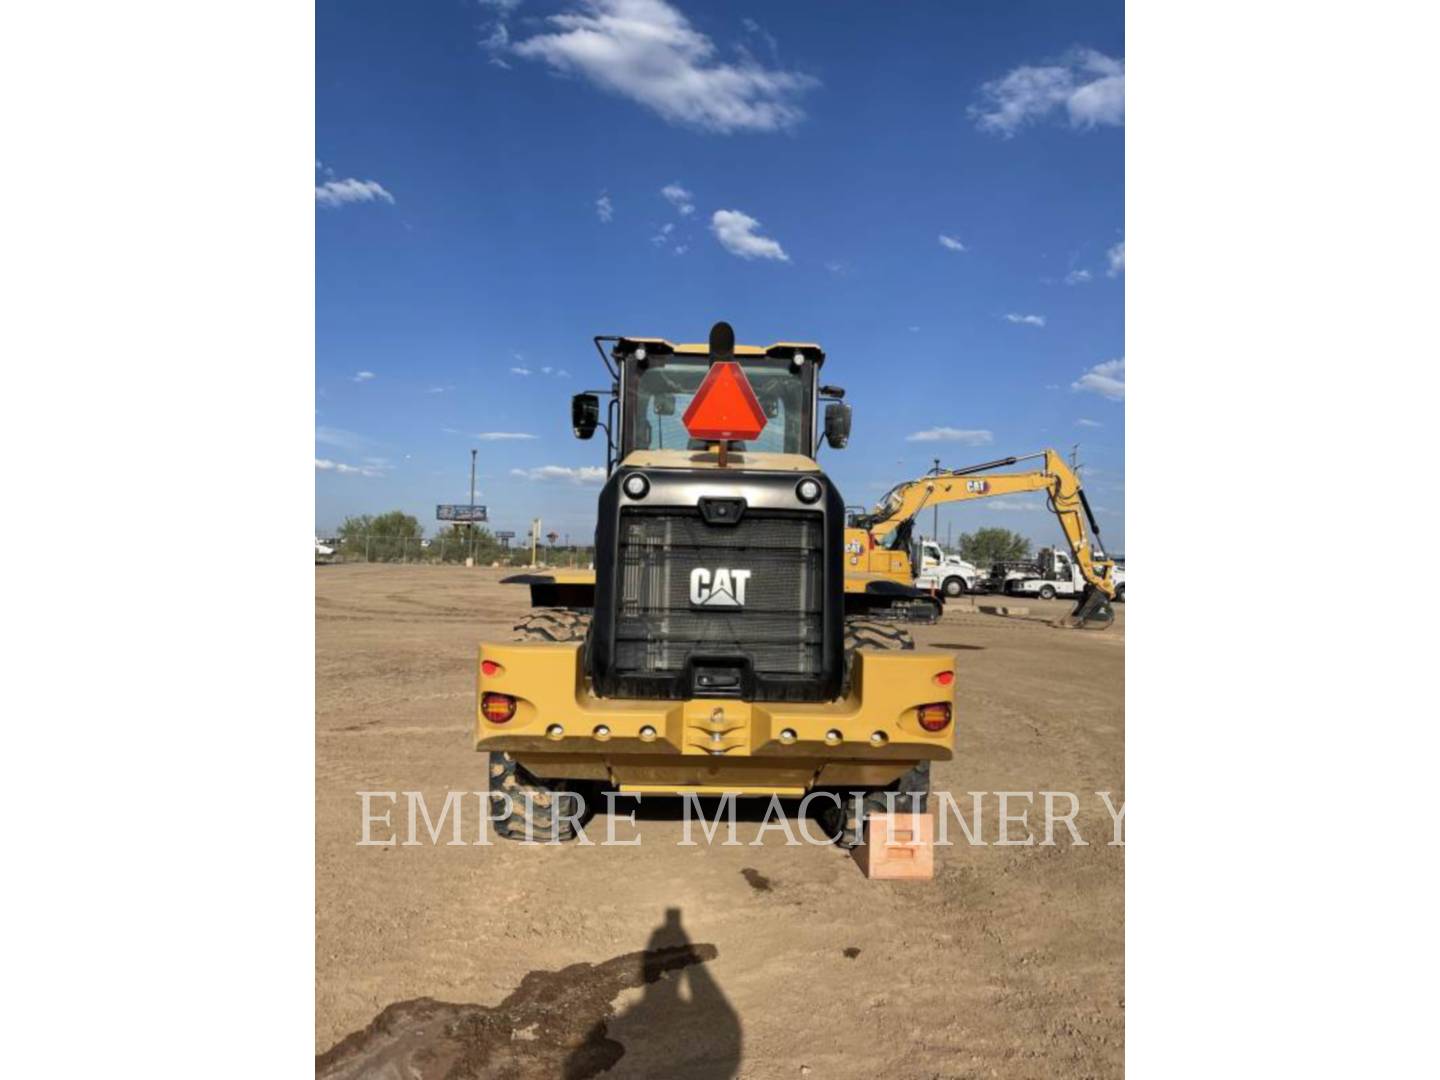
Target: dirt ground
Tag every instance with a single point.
(710, 961)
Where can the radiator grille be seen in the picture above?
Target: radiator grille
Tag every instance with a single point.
(780, 626)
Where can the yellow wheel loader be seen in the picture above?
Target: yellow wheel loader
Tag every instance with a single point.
(710, 653)
(878, 545)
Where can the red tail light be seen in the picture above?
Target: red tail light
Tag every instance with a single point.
(489, 667)
(945, 678)
(934, 717)
(497, 708)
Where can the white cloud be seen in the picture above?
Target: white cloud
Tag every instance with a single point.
(1107, 380)
(521, 371)
(585, 474)
(1003, 503)
(1116, 255)
(1078, 277)
(737, 235)
(489, 436)
(679, 198)
(1083, 422)
(950, 243)
(346, 440)
(364, 376)
(498, 43)
(647, 51)
(1025, 320)
(326, 465)
(604, 209)
(966, 437)
(1088, 85)
(336, 193)
(754, 28)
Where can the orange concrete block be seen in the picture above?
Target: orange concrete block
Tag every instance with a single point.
(898, 847)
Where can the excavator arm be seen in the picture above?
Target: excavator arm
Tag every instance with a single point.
(1065, 497)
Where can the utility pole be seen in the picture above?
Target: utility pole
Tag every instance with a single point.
(534, 540)
(470, 526)
(1075, 457)
(935, 530)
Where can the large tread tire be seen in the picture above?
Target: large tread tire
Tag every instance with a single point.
(531, 814)
(874, 634)
(553, 624)
(912, 793)
(842, 822)
(532, 800)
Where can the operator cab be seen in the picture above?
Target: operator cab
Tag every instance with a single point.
(718, 538)
(655, 381)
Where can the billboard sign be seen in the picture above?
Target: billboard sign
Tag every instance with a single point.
(462, 513)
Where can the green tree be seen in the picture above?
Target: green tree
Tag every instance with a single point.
(383, 538)
(986, 546)
(458, 542)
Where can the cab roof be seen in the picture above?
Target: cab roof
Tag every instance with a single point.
(660, 346)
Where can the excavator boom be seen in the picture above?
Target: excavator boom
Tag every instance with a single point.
(893, 515)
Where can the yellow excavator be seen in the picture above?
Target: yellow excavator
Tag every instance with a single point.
(878, 552)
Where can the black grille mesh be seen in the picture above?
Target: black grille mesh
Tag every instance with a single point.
(780, 626)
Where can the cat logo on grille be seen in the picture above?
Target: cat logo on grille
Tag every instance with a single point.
(722, 588)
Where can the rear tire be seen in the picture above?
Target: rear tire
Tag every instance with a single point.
(842, 822)
(1047, 592)
(911, 794)
(533, 800)
(553, 624)
(874, 634)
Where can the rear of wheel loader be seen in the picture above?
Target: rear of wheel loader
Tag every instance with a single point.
(716, 656)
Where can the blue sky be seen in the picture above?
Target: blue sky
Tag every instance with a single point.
(933, 192)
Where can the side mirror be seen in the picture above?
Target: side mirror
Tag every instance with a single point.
(585, 415)
(837, 425)
(832, 391)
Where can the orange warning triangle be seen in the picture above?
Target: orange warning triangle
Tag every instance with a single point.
(725, 407)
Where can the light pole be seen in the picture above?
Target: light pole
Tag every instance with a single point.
(470, 525)
(935, 532)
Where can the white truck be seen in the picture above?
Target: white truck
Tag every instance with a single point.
(1059, 576)
(948, 574)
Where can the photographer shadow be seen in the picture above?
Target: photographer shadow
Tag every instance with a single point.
(683, 1027)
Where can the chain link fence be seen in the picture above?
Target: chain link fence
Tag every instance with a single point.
(452, 549)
